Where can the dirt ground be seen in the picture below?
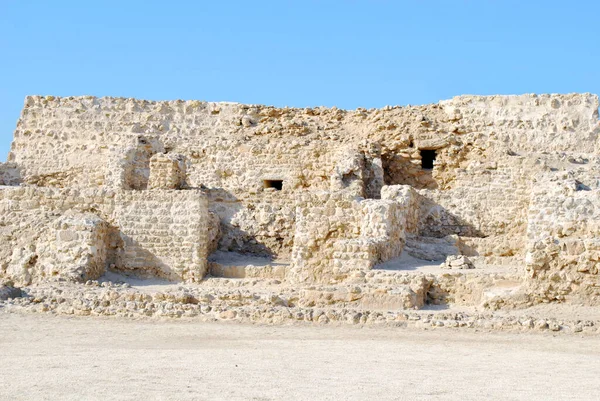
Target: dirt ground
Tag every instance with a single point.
(60, 358)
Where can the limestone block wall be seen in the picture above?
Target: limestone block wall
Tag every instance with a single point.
(479, 187)
(50, 234)
(46, 247)
(243, 167)
(326, 223)
(164, 233)
(88, 141)
(128, 166)
(167, 171)
(563, 237)
(9, 174)
(531, 123)
(487, 203)
(349, 173)
(339, 235)
(79, 251)
(383, 222)
(135, 163)
(260, 224)
(409, 202)
(404, 167)
(71, 141)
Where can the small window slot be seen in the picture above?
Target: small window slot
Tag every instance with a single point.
(427, 158)
(277, 184)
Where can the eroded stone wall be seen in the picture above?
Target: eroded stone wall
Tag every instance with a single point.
(9, 174)
(220, 138)
(487, 204)
(563, 236)
(486, 150)
(531, 123)
(80, 247)
(339, 235)
(455, 177)
(51, 233)
(167, 171)
(164, 234)
(261, 224)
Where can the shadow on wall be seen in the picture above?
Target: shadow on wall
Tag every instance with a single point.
(125, 255)
(10, 174)
(411, 167)
(128, 256)
(235, 239)
(251, 226)
(137, 166)
(437, 221)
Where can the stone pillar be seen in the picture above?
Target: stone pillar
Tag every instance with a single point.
(167, 171)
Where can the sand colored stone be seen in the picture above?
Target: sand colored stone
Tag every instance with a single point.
(482, 202)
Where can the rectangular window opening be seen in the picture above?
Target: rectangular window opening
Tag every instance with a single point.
(427, 158)
(277, 184)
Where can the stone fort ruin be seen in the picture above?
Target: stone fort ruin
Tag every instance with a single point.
(477, 200)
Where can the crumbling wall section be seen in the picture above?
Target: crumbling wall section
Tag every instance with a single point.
(487, 205)
(167, 171)
(44, 230)
(530, 123)
(339, 235)
(80, 247)
(328, 228)
(50, 234)
(563, 237)
(349, 173)
(409, 201)
(164, 233)
(70, 247)
(61, 142)
(259, 224)
(487, 150)
(9, 174)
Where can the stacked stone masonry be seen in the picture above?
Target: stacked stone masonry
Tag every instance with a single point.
(78, 234)
(154, 188)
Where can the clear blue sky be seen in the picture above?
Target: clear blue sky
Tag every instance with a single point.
(303, 53)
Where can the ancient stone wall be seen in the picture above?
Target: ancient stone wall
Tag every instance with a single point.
(339, 235)
(483, 145)
(80, 247)
(244, 167)
(259, 224)
(471, 161)
(487, 204)
(325, 224)
(409, 201)
(9, 174)
(167, 171)
(82, 142)
(531, 123)
(74, 136)
(165, 234)
(563, 236)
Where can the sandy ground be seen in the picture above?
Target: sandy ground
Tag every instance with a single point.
(55, 358)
